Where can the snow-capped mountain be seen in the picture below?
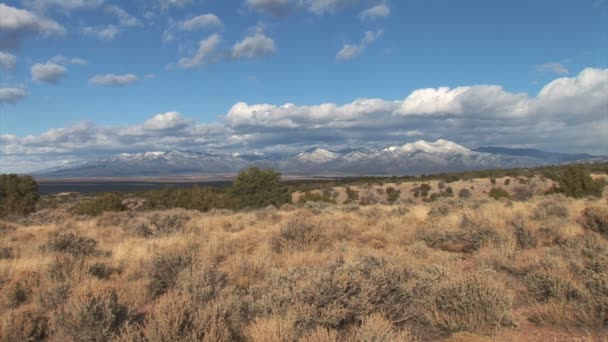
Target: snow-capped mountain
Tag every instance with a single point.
(411, 158)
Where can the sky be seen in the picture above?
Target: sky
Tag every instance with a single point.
(82, 79)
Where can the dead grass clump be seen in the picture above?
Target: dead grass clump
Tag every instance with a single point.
(164, 269)
(95, 315)
(343, 293)
(321, 335)
(473, 303)
(545, 285)
(102, 271)
(472, 234)
(6, 227)
(71, 243)
(271, 329)
(524, 234)
(27, 323)
(522, 193)
(175, 317)
(595, 219)
(550, 209)
(376, 328)
(300, 233)
(6, 253)
(169, 223)
(53, 297)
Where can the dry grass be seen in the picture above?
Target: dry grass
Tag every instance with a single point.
(469, 269)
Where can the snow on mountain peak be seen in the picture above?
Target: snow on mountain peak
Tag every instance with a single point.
(317, 155)
(439, 146)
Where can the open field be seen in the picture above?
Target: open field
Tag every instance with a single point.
(455, 269)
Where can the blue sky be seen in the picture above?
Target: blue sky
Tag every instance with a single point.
(114, 66)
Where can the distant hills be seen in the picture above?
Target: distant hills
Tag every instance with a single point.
(409, 159)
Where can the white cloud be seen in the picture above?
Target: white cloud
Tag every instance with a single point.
(320, 7)
(554, 67)
(7, 61)
(277, 8)
(124, 18)
(254, 46)
(63, 5)
(208, 20)
(174, 3)
(11, 95)
(108, 32)
(166, 121)
(568, 115)
(61, 59)
(349, 51)
(78, 61)
(111, 80)
(375, 12)
(205, 54)
(17, 23)
(48, 72)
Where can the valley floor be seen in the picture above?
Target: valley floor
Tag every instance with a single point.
(473, 269)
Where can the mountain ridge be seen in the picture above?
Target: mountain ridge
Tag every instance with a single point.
(408, 159)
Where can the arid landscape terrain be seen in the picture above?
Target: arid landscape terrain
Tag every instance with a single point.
(376, 265)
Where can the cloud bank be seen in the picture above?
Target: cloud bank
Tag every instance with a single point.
(568, 114)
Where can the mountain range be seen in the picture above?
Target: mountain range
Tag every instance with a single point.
(420, 157)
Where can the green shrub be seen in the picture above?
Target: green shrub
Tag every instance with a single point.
(166, 224)
(473, 303)
(596, 219)
(575, 181)
(101, 271)
(71, 243)
(18, 195)
(507, 181)
(255, 188)
(102, 203)
(392, 194)
(28, 323)
(352, 195)
(316, 197)
(196, 198)
(498, 193)
(424, 189)
(93, 316)
(464, 193)
(164, 271)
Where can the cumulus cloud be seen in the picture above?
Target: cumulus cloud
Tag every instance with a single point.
(567, 115)
(254, 46)
(61, 59)
(554, 67)
(112, 31)
(349, 51)
(166, 121)
(375, 12)
(17, 23)
(111, 80)
(124, 18)
(108, 32)
(165, 4)
(7, 61)
(208, 20)
(48, 72)
(63, 5)
(205, 54)
(277, 8)
(320, 7)
(11, 95)
(79, 61)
